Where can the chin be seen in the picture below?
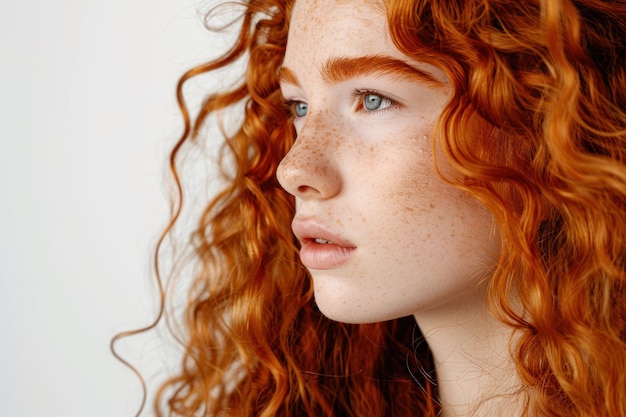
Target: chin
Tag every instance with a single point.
(345, 311)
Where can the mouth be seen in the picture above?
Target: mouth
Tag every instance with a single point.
(319, 248)
(310, 231)
(323, 241)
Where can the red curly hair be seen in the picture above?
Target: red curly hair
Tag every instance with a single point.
(536, 128)
(548, 80)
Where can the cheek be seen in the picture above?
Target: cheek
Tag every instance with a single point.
(418, 209)
(407, 180)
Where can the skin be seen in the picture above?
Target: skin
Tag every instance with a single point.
(410, 244)
(369, 178)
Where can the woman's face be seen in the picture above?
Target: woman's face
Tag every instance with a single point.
(382, 235)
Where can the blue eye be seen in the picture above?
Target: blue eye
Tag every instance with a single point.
(300, 108)
(372, 101)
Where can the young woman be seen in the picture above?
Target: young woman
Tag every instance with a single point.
(426, 214)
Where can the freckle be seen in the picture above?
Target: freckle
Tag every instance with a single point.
(432, 206)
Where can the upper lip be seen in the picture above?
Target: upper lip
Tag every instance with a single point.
(307, 230)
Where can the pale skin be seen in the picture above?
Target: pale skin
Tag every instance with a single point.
(382, 234)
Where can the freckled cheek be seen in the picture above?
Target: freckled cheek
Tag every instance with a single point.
(411, 185)
(418, 206)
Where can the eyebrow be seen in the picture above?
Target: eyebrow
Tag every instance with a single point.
(336, 70)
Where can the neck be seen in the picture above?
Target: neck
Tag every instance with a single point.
(475, 372)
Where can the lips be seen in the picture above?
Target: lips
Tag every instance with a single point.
(321, 249)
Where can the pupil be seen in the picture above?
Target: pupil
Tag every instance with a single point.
(372, 101)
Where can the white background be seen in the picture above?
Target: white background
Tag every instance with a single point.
(87, 115)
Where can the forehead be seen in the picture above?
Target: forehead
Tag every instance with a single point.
(312, 7)
(322, 28)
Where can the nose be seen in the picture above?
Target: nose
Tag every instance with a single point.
(310, 169)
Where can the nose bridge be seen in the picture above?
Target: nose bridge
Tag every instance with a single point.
(310, 169)
(316, 134)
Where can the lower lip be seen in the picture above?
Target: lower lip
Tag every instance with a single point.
(324, 255)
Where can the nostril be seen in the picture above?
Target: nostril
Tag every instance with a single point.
(303, 189)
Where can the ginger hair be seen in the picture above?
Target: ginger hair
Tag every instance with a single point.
(541, 88)
(256, 343)
(536, 128)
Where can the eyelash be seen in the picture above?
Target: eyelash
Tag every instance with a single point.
(290, 108)
(357, 94)
(360, 95)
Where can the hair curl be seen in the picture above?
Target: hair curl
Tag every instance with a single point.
(536, 128)
(541, 87)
